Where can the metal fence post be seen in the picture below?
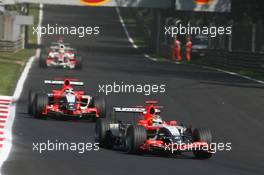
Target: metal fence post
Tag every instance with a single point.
(253, 45)
(157, 19)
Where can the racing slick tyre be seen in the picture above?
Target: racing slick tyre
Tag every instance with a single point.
(102, 129)
(40, 102)
(100, 105)
(202, 135)
(135, 137)
(42, 60)
(78, 62)
(31, 97)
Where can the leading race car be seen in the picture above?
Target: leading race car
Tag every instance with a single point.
(152, 134)
(60, 54)
(65, 102)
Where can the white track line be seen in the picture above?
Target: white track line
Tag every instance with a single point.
(19, 88)
(125, 29)
(155, 59)
(149, 57)
(234, 74)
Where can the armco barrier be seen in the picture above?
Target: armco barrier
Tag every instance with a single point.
(11, 46)
(237, 60)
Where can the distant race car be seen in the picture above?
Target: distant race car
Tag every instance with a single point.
(152, 134)
(60, 54)
(199, 46)
(65, 102)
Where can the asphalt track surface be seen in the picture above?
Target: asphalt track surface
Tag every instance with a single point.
(230, 106)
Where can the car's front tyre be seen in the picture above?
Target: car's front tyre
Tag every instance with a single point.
(42, 60)
(79, 62)
(135, 137)
(102, 127)
(31, 97)
(41, 101)
(202, 135)
(100, 105)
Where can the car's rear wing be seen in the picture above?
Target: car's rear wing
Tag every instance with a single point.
(133, 110)
(56, 43)
(60, 82)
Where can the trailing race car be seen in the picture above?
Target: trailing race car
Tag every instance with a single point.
(65, 102)
(152, 134)
(60, 54)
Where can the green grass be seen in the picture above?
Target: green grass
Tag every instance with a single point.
(21, 55)
(11, 64)
(11, 73)
(139, 41)
(252, 74)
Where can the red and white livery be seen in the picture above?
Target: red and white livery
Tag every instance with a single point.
(152, 134)
(65, 102)
(60, 54)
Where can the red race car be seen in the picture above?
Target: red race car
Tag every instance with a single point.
(65, 102)
(152, 134)
(60, 54)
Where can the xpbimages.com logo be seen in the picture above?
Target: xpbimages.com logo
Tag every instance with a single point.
(80, 31)
(212, 147)
(121, 87)
(58, 146)
(212, 31)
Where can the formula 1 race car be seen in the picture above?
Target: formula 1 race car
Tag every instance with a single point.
(60, 54)
(65, 102)
(152, 134)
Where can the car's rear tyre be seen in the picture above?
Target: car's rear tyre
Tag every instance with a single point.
(100, 105)
(42, 60)
(202, 135)
(102, 127)
(41, 101)
(79, 62)
(135, 137)
(31, 97)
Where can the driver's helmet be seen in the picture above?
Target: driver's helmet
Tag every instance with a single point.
(61, 48)
(70, 98)
(69, 91)
(156, 120)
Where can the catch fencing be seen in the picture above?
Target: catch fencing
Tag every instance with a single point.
(236, 60)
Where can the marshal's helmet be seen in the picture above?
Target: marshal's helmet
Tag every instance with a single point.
(69, 91)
